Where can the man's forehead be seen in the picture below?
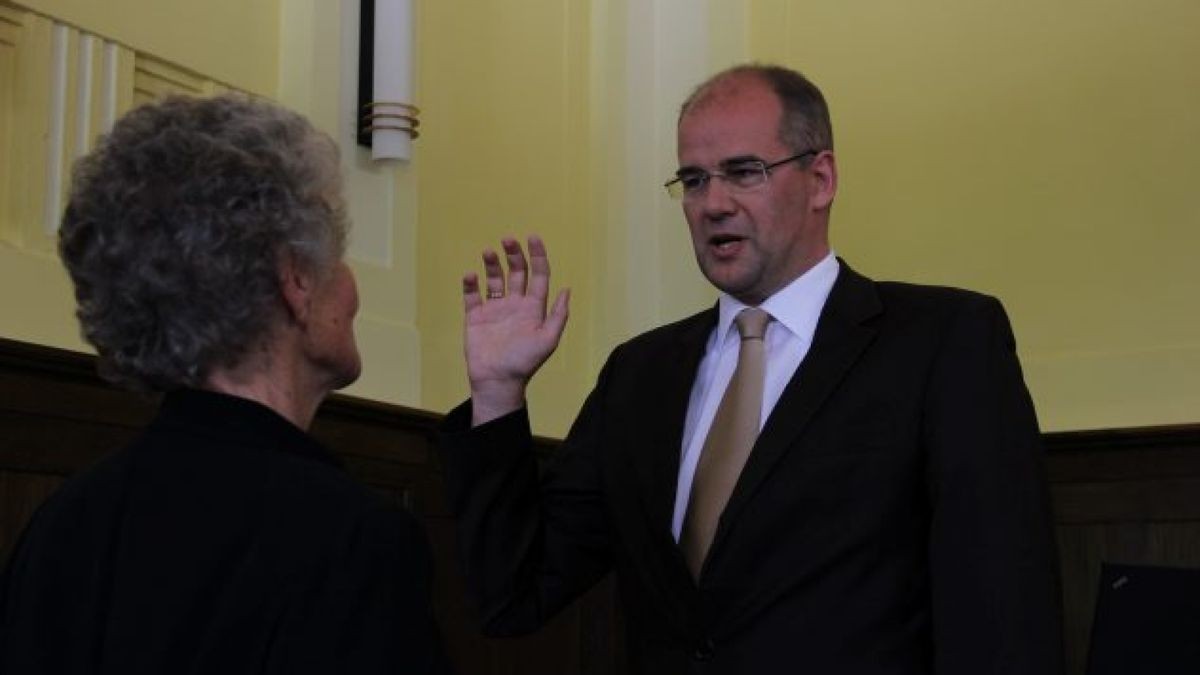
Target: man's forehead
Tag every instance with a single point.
(738, 119)
(731, 87)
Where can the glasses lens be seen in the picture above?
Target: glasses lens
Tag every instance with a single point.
(745, 175)
(687, 182)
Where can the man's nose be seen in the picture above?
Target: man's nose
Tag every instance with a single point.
(717, 199)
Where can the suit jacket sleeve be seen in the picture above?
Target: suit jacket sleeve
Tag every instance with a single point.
(528, 544)
(993, 561)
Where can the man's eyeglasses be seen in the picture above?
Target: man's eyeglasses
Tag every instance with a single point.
(740, 174)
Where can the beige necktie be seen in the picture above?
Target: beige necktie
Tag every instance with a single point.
(734, 429)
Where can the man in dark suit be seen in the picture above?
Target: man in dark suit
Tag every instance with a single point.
(890, 517)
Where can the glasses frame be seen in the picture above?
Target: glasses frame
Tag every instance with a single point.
(707, 176)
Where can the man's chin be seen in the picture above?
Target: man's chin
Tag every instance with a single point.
(725, 278)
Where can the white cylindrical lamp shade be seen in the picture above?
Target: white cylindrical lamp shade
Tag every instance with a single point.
(393, 116)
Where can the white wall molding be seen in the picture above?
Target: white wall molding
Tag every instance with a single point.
(653, 53)
(56, 141)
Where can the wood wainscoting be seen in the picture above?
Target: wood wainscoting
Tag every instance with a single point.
(1130, 496)
(1120, 496)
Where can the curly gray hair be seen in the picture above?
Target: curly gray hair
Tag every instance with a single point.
(176, 227)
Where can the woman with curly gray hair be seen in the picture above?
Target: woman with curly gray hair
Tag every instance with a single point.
(205, 241)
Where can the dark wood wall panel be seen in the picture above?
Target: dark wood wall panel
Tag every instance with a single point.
(1129, 496)
(20, 495)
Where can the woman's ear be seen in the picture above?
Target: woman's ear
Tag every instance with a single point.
(296, 286)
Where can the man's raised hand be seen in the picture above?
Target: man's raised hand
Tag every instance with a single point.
(508, 334)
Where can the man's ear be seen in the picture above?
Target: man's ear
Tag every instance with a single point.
(825, 178)
(296, 286)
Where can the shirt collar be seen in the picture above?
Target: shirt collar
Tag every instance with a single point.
(796, 306)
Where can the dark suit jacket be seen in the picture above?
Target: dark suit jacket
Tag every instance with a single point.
(892, 517)
(223, 540)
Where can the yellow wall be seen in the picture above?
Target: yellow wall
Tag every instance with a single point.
(34, 290)
(35, 300)
(232, 41)
(503, 151)
(1045, 152)
(156, 57)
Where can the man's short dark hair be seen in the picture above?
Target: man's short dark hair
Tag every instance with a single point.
(805, 123)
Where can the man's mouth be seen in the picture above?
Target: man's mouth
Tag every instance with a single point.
(725, 243)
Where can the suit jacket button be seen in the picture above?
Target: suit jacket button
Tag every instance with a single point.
(704, 650)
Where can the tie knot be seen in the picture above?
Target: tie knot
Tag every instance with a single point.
(752, 323)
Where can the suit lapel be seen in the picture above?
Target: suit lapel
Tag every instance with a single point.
(665, 397)
(841, 336)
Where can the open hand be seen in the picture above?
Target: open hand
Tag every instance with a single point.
(509, 335)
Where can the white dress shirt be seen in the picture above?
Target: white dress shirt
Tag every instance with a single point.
(795, 309)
